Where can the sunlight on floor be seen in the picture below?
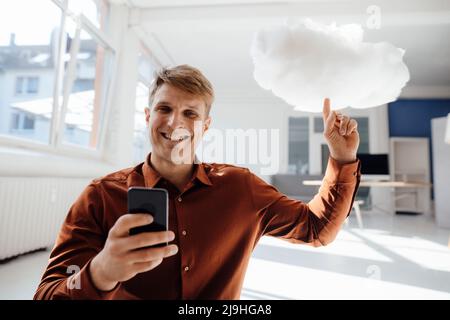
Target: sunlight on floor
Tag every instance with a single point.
(348, 245)
(273, 280)
(373, 263)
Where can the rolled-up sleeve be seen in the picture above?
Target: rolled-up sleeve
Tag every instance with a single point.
(80, 239)
(314, 223)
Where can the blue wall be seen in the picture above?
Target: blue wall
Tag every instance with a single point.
(412, 118)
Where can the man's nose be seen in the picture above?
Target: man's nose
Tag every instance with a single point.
(175, 120)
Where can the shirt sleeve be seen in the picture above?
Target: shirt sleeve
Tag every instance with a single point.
(80, 239)
(314, 223)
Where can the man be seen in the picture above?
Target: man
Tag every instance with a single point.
(217, 212)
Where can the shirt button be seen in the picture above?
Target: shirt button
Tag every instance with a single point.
(183, 232)
(186, 269)
(179, 199)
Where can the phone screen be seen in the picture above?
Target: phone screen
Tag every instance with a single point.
(149, 200)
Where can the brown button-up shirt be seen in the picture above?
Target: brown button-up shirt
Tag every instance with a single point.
(217, 220)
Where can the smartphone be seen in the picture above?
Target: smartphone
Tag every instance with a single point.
(150, 200)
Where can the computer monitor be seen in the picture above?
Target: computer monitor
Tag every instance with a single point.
(374, 164)
(371, 164)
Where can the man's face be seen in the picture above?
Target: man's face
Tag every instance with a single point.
(177, 121)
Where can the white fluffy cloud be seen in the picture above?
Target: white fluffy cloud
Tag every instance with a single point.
(304, 63)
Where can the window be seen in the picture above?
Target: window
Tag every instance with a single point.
(19, 85)
(141, 143)
(22, 123)
(26, 46)
(318, 125)
(140, 137)
(94, 10)
(299, 145)
(15, 118)
(363, 129)
(86, 80)
(32, 67)
(32, 84)
(28, 122)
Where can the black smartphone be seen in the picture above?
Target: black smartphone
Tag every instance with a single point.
(149, 200)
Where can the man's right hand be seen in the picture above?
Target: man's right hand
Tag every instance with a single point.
(124, 256)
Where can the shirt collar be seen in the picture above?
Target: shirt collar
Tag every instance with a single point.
(152, 177)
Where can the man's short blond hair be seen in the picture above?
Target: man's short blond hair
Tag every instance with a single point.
(185, 78)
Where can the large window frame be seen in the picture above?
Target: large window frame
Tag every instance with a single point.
(145, 81)
(61, 90)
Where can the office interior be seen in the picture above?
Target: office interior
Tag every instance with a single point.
(74, 82)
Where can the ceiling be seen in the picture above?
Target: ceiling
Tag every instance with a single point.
(215, 35)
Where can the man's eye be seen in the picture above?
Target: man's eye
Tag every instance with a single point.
(191, 114)
(164, 109)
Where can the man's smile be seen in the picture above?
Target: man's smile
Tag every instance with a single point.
(173, 137)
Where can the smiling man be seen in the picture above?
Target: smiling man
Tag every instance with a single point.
(217, 212)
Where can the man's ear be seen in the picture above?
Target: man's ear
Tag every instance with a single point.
(147, 115)
(206, 124)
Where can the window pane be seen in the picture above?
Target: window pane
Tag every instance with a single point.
(28, 123)
(363, 129)
(86, 102)
(146, 69)
(299, 145)
(27, 51)
(318, 124)
(141, 143)
(94, 10)
(15, 118)
(32, 85)
(19, 85)
(325, 155)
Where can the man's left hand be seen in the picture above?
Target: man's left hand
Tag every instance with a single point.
(341, 134)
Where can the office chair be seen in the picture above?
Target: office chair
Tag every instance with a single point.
(362, 198)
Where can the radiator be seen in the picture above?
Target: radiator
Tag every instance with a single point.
(32, 210)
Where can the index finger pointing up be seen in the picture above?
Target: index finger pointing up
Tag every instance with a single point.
(326, 110)
(329, 117)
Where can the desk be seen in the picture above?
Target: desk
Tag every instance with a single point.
(374, 183)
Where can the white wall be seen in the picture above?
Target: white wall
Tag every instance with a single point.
(272, 113)
(119, 140)
(247, 113)
(257, 115)
(441, 172)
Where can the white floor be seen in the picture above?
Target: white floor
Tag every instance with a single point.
(20, 277)
(393, 257)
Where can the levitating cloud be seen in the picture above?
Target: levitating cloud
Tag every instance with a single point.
(304, 63)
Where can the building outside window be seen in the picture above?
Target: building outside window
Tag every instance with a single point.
(32, 66)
